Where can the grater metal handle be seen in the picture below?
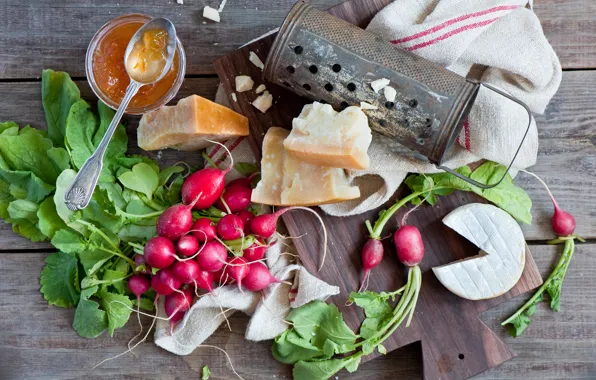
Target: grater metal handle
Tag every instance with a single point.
(482, 185)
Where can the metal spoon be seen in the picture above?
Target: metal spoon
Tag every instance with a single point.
(79, 194)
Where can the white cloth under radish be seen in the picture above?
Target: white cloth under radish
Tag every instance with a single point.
(267, 308)
(501, 36)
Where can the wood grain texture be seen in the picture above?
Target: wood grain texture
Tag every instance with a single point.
(38, 34)
(38, 342)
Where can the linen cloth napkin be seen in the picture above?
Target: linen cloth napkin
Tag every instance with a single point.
(267, 308)
(502, 37)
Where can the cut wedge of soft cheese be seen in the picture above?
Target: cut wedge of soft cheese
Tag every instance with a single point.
(254, 58)
(502, 258)
(244, 83)
(260, 88)
(321, 136)
(263, 102)
(379, 84)
(287, 181)
(390, 93)
(211, 13)
(188, 124)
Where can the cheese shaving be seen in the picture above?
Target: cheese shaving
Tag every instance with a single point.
(390, 93)
(260, 89)
(244, 83)
(254, 58)
(379, 84)
(263, 102)
(211, 13)
(367, 106)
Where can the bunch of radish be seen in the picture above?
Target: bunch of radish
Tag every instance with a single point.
(190, 255)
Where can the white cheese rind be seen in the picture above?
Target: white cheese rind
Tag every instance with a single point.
(502, 258)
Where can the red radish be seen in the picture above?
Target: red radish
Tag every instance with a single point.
(246, 217)
(204, 280)
(409, 245)
(222, 277)
(230, 227)
(204, 229)
(258, 277)
(238, 268)
(176, 220)
(187, 245)
(159, 252)
(266, 224)
(372, 254)
(256, 251)
(164, 282)
(138, 284)
(235, 197)
(176, 305)
(186, 271)
(242, 181)
(213, 256)
(140, 260)
(563, 223)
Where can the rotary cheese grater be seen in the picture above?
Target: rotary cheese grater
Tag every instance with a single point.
(329, 60)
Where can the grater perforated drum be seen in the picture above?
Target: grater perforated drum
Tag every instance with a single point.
(327, 59)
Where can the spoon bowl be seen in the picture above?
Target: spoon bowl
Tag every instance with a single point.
(143, 45)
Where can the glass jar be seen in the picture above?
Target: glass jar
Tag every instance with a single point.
(106, 73)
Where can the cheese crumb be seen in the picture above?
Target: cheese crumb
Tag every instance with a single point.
(211, 13)
(390, 93)
(256, 60)
(260, 89)
(244, 83)
(234, 97)
(263, 102)
(379, 84)
(180, 1)
(367, 106)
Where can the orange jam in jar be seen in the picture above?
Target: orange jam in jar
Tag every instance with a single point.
(106, 69)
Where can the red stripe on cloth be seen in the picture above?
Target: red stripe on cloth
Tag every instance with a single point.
(454, 21)
(293, 290)
(452, 33)
(467, 133)
(457, 140)
(231, 149)
(214, 151)
(292, 299)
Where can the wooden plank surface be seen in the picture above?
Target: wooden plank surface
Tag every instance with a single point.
(566, 157)
(38, 342)
(46, 33)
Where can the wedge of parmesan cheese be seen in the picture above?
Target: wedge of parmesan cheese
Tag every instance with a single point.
(287, 181)
(379, 84)
(321, 136)
(188, 124)
(502, 258)
(244, 83)
(254, 58)
(211, 13)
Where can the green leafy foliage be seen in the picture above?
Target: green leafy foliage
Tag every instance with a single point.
(118, 309)
(89, 320)
(58, 94)
(506, 195)
(205, 373)
(246, 168)
(60, 280)
(142, 178)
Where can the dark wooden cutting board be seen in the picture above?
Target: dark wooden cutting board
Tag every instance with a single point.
(456, 344)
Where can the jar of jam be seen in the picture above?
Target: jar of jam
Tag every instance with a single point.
(107, 74)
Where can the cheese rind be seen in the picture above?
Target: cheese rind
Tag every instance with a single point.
(188, 124)
(321, 136)
(502, 258)
(287, 181)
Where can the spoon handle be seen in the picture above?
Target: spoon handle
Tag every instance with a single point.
(79, 194)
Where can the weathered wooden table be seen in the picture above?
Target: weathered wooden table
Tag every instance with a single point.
(37, 341)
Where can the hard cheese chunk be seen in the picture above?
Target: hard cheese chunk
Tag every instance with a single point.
(321, 136)
(189, 124)
(502, 257)
(287, 181)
